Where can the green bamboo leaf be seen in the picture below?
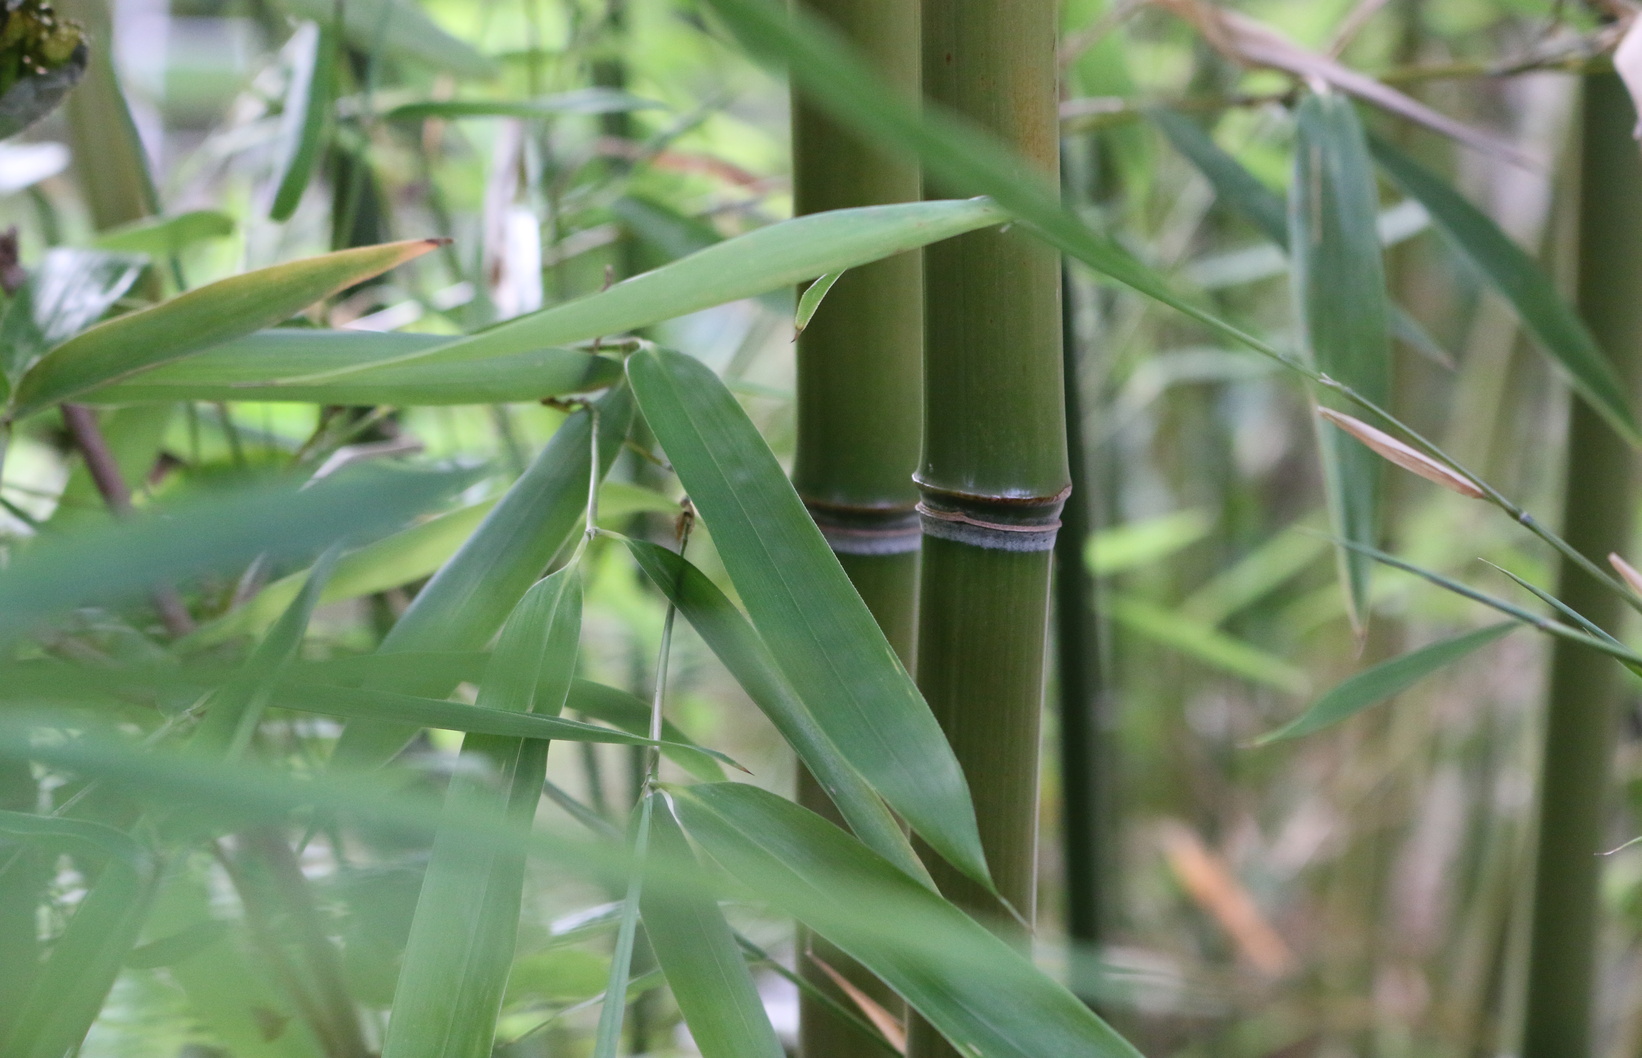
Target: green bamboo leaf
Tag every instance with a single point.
(199, 319)
(592, 100)
(465, 603)
(1558, 605)
(1135, 544)
(364, 703)
(632, 714)
(1336, 249)
(398, 27)
(463, 935)
(830, 759)
(305, 121)
(1204, 642)
(958, 157)
(387, 563)
(702, 961)
(234, 711)
(258, 366)
(607, 1041)
(802, 603)
(67, 292)
(980, 992)
(810, 300)
(70, 988)
(771, 258)
(1514, 275)
(162, 236)
(219, 531)
(1385, 680)
(1233, 184)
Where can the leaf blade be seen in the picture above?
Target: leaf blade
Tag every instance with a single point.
(1385, 680)
(198, 319)
(816, 626)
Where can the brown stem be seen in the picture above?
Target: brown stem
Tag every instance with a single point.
(105, 474)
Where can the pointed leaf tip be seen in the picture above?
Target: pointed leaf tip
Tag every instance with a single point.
(1627, 572)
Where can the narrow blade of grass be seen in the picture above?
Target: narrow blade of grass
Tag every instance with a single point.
(305, 123)
(1514, 275)
(1385, 680)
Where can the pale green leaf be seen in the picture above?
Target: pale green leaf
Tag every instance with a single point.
(199, 319)
(1335, 248)
(1385, 680)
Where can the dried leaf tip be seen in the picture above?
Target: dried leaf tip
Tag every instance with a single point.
(1627, 573)
(1402, 455)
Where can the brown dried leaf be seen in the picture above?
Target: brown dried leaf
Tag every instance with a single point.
(1252, 43)
(1214, 888)
(882, 1020)
(1627, 63)
(1402, 455)
(1627, 572)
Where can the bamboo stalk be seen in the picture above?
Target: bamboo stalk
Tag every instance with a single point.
(1581, 721)
(1083, 767)
(994, 473)
(859, 386)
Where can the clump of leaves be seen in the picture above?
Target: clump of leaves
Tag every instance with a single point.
(42, 56)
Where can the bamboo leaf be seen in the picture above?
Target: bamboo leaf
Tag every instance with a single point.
(71, 986)
(810, 300)
(66, 293)
(1385, 680)
(958, 156)
(771, 258)
(702, 961)
(463, 935)
(632, 714)
(980, 992)
(591, 100)
(829, 750)
(1336, 249)
(219, 531)
(1241, 190)
(1204, 642)
(608, 1039)
(1134, 544)
(465, 603)
(411, 710)
(378, 566)
(815, 625)
(305, 121)
(161, 236)
(1514, 275)
(234, 711)
(195, 321)
(399, 27)
(258, 366)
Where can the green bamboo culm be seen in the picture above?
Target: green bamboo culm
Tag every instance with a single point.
(1581, 725)
(994, 476)
(860, 391)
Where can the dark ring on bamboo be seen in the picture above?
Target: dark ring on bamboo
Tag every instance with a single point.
(993, 536)
(867, 530)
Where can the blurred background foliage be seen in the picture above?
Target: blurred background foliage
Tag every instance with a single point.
(1358, 892)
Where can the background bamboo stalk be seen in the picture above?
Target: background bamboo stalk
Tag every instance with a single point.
(1581, 721)
(859, 424)
(1084, 803)
(994, 473)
